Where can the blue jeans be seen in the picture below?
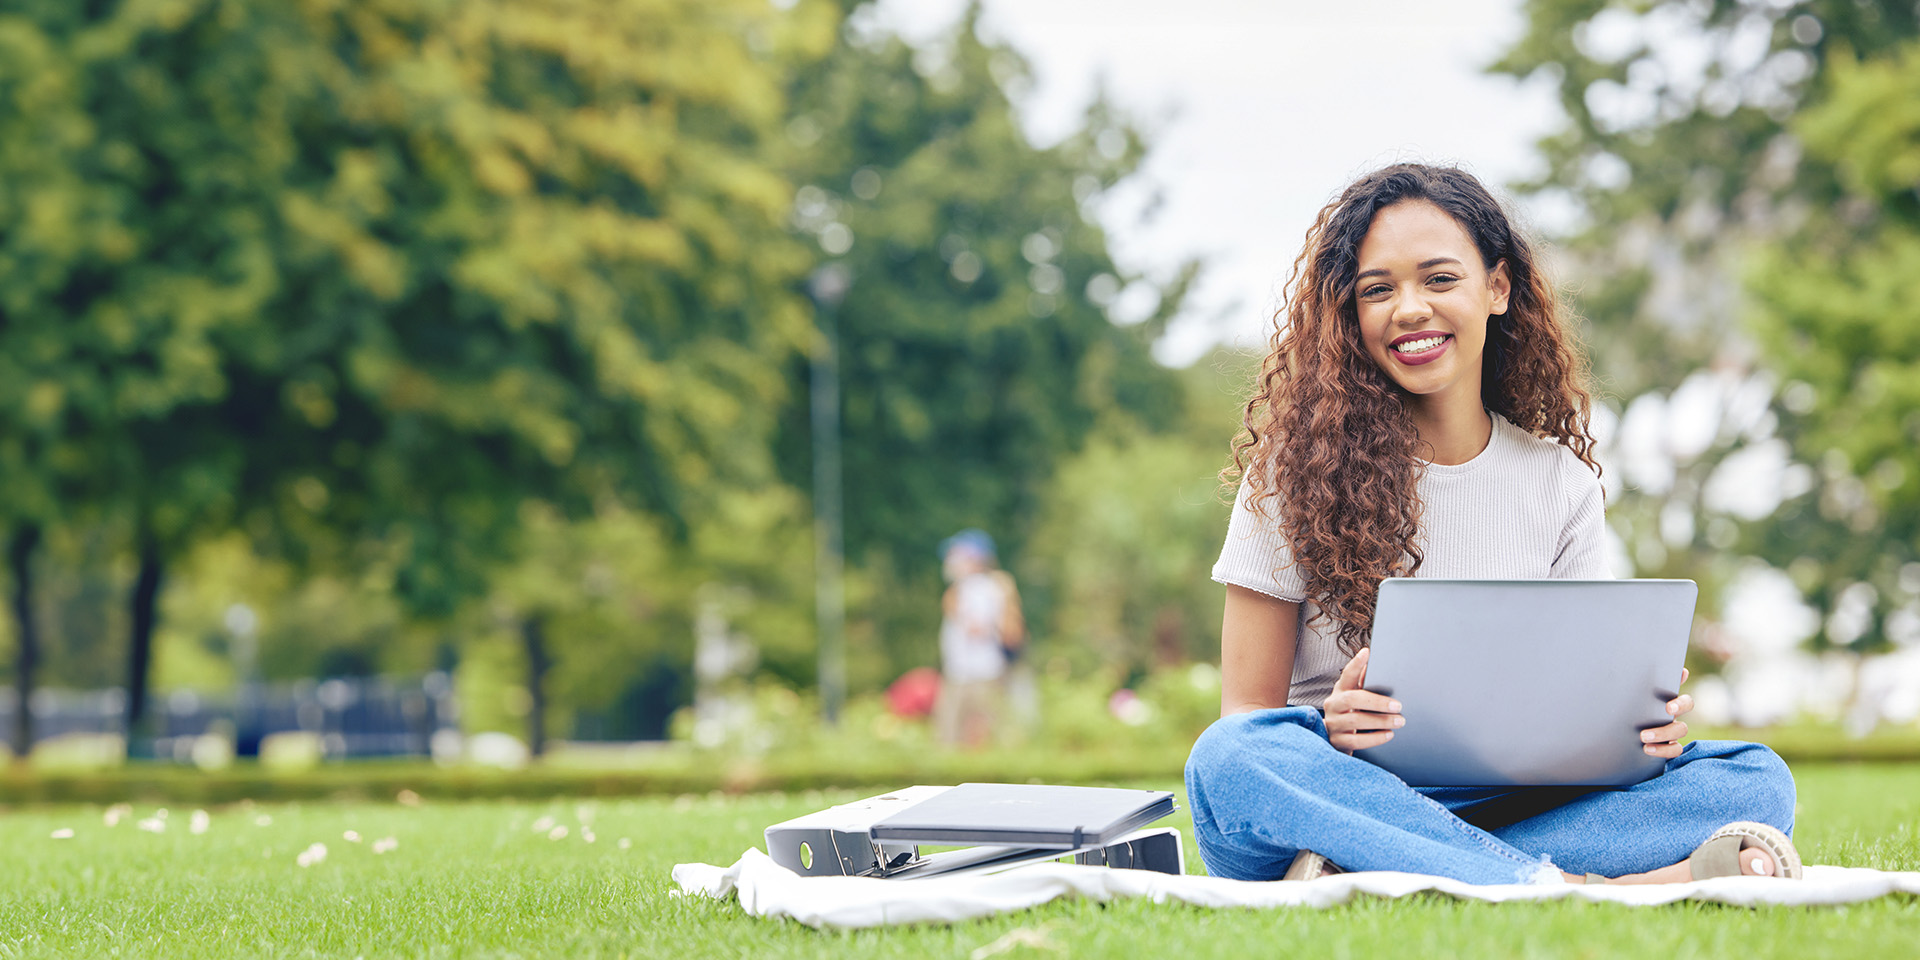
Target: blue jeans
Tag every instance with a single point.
(1265, 785)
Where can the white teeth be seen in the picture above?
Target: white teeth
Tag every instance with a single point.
(1419, 346)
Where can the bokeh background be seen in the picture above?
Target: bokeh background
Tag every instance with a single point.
(515, 379)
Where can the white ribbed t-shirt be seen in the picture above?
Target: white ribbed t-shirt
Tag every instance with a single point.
(1523, 509)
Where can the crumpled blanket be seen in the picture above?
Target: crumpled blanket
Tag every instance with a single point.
(766, 889)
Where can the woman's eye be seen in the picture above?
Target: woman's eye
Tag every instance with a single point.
(1374, 292)
(1442, 278)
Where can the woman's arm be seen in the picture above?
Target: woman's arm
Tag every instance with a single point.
(1257, 636)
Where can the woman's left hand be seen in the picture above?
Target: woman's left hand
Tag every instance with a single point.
(1664, 741)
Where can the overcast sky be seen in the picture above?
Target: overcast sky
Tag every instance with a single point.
(1263, 109)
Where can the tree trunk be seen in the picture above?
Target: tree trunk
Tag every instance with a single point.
(533, 631)
(20, 552)
(144, 616)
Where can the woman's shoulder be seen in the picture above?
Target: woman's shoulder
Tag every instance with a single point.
(1539, 457)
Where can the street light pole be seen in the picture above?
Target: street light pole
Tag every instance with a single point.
(828, 286)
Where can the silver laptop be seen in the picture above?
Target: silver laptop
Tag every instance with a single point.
(1527, 682)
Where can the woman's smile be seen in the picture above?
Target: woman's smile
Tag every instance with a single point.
(1414, 349)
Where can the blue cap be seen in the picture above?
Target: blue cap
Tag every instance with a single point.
(972, 539)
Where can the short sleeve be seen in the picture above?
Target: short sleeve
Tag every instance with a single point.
(1582, 551)
(1256, 555)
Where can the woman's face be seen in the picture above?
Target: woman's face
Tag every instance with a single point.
(1423, 297)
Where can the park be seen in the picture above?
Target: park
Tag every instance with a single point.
(461, 461)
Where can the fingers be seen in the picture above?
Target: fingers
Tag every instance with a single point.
(1358, 718)
(1343, 701)
(1663, 741)
(1360, 721)
(1679, 705)
(1665, 751)
(1349, 742)
(1684, 674)
(1354, 674)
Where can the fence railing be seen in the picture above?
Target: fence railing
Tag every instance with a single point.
(351, 716)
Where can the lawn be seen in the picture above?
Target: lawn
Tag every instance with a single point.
(494, 878)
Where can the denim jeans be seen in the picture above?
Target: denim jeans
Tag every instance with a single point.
(1265, 785)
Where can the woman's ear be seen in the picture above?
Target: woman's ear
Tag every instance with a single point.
(1502, 286)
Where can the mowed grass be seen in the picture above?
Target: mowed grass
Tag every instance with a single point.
(477, 879)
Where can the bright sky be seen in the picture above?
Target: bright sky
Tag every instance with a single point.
(1262, 110)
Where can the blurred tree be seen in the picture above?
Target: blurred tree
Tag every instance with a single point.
(1838, 316)
(976, 350)
(1678, 158)
(1132, 520)
(386, 271)
(21, 547)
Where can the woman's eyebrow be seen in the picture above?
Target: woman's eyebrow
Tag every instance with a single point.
(1424, 264)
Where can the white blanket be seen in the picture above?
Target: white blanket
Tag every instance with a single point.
(766, 889)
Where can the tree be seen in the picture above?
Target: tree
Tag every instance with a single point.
(387, 271)
(1133, 519)
(976, 353)
(1836, 316)
(1680, 156)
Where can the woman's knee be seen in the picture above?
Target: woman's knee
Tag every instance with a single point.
(1241, 744)
(1758, 780)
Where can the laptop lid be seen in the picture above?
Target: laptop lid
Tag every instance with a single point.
(1026, 815)
(1527, 682)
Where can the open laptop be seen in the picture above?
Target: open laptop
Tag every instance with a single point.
(1527, 682)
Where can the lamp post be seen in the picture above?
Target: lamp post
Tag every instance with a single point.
(828, 287)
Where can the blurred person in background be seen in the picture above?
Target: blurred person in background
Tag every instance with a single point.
(981, 631)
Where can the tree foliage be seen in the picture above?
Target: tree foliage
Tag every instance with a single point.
(486, 322)
(1839, 317)
(1681, 156)
(976, 350)
(383, 272)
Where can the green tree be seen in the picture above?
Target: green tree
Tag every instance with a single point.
(976, 354)
(1679, 157)
(389, 270)
(1132, 521)
(1838, 315)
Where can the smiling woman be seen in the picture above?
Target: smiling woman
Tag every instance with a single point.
(1423, 412)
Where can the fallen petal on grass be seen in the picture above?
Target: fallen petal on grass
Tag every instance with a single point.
(199, 822)
(64, 833)
(116, 813)
(384, 844)
(1033, 938)
(153, 825)
(557, 833)
(407, 798)
(542, 825)
(311, 855)
(351, 836)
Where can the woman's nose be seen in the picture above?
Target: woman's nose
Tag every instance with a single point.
(1411, 307)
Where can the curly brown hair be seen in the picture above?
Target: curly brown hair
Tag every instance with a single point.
(1330, 435)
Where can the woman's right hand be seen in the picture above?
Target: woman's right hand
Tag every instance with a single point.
(1356, 717)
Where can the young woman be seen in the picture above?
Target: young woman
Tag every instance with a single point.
(1422, 413)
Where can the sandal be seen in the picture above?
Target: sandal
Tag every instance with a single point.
(1308, 865)
(1719, 856)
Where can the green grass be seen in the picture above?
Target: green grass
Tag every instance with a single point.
(474, 879)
